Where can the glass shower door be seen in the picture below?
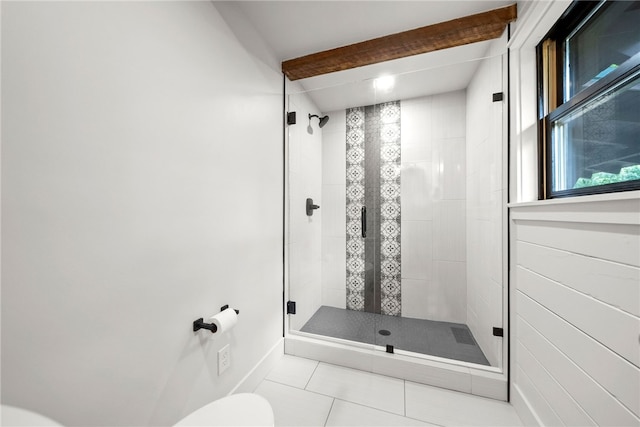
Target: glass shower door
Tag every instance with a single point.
(374, 162)
(338, 292)
(361, 226)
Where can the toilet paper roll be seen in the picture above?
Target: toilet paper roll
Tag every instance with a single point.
(225, 320)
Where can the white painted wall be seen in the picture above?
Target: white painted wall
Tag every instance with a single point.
(304, 153)
(141, 189)
(574, 276)
(486, 201)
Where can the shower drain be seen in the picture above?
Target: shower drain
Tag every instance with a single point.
(384, 332)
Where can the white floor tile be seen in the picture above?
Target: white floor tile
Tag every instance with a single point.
(360, 387)
(349, 414)
(447, 407)
(293, 371)
(295, 407)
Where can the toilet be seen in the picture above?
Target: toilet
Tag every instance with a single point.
(243, 409)
(13, 416)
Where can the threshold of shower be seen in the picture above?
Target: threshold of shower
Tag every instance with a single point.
(471, 378)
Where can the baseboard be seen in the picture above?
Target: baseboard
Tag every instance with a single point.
(523, 408)
(258, 373)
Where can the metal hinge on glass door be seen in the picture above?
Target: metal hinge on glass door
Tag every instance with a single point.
(291, 307)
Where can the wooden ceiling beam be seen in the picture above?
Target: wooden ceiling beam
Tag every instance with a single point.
(457, 32)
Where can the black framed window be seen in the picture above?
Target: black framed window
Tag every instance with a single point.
(589, 100)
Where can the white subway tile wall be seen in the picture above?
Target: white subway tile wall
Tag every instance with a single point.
(433, 211)
(485, 206)
(305, 165)
(334, 185)
(433, 173)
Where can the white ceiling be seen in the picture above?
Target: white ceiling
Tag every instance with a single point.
(296, 28)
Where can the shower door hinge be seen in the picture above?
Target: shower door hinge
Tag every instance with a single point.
(498, 332)
(291, 307)
(498, 96)
(291, 118)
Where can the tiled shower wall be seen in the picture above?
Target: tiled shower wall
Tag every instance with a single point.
(433, 192)
(433, 207)
(334, 238)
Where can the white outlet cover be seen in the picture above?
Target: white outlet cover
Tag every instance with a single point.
(224, 359)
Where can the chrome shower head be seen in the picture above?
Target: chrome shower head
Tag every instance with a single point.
(323, 120)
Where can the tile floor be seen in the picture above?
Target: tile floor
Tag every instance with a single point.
(305, 392)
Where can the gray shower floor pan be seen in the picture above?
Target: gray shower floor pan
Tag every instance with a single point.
(442, 339)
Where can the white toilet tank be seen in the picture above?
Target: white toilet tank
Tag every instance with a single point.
(243, 409)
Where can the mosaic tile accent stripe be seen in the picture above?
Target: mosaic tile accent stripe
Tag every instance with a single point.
(372, 202)
(390, 274)
(374, 128)
(355, 201)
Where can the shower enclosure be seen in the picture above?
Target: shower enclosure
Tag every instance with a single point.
(404, 257)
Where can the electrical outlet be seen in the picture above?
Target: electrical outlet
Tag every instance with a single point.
(224, 359)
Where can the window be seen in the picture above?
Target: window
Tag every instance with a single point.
(589, 100)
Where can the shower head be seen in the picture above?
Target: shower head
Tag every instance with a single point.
(323, 120)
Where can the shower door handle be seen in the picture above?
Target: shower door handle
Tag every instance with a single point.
(363, 221)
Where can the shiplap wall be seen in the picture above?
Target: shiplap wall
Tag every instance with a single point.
(575, 281)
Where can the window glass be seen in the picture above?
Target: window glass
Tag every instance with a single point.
(598, 143)
(605, 40)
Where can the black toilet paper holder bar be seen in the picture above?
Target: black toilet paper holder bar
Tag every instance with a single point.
(199, 323)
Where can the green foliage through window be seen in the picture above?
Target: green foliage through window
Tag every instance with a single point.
(630, 173)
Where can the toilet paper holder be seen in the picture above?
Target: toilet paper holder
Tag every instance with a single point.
(199, 323)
